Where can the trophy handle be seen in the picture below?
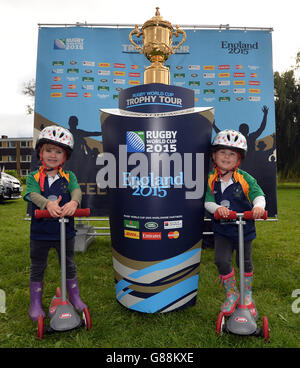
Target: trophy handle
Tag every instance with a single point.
(176, 33)
(138, 34)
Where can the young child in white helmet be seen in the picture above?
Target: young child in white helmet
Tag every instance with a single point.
(230, 188)
(52, 188)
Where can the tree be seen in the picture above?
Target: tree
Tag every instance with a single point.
(29, 90)
(287, 113)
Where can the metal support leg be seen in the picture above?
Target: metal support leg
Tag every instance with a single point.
(63, 257)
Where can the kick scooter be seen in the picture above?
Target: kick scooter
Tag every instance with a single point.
(241, 321)
(62, 314)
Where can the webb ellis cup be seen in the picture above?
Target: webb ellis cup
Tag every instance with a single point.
(157, 47)
(158, 146)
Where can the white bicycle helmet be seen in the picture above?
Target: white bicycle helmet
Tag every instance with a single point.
(232, 139)
(58, 136)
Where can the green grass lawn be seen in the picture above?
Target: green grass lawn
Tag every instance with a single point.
(276, 258)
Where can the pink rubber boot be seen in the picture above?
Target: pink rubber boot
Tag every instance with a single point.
(232, 294)
(249, 302)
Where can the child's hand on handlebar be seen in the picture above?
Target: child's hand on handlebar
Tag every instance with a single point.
(258, 212)
(53, 207)
(223, 211)
(69, 208)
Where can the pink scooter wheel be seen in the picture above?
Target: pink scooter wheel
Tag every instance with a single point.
(87, 318)
(266, 330)
(220, 323)
(40, 330)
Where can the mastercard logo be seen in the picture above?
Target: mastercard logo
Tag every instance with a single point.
(173, 234)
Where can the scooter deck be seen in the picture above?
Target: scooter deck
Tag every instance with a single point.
(48, 330)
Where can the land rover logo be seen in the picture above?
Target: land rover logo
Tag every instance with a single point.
(151, 225)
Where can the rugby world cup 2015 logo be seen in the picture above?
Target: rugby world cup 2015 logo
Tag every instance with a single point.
(135, 141)
(60, 44)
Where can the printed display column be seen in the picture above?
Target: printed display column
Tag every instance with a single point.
(155, 165)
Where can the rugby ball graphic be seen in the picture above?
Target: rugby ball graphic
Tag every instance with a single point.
(134, 142)
(59, 44)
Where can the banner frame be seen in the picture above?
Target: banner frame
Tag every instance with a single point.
(219, 27)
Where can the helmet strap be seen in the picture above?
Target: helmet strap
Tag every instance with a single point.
(219, 172)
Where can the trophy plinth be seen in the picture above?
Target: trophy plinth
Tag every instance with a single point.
(157, 47)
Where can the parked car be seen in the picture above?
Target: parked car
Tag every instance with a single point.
(10, 187)
(1, 188)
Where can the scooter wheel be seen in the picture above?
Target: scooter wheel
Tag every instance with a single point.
(220, 324)
(58, 292)
(266, 330)
(40, 330)
(87, 318)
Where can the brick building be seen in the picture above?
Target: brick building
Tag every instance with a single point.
(15, 154)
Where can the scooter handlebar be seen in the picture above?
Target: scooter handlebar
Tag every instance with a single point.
(80, 212)
(232, 215)
(247, 215)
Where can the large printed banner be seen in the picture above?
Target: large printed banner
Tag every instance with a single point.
(81, 70)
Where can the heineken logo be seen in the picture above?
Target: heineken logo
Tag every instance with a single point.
(131, 224)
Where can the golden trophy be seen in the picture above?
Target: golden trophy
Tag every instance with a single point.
(157, 46)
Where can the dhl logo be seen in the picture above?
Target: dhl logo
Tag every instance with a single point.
(104, 65)
(122, 74)
(224, 75)
(208, 67)
(56, 94)
(131, 234)
(254, 90)
(239, 82)
(134, 82)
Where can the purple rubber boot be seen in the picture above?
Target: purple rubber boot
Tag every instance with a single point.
(74, 297)
(36, 292)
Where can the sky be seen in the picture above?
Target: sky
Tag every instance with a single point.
(19, 35)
